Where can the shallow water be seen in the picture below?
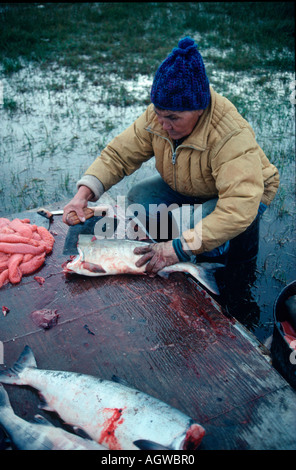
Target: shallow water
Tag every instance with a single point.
(54, 123)
(57, 130)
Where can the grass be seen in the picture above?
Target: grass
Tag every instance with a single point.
(112, 44)
(129, 39)
(9, 104)
(132, 38)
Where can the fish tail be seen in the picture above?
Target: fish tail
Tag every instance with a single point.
(204, 273)
(12, 375)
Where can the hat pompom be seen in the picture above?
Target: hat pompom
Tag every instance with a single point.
(185, 42)
(186, 46)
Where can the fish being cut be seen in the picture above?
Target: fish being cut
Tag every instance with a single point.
(102, 257)
(40, 435)
(113, 414)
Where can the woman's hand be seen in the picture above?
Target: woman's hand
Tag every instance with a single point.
(77, 205)
(157, 256)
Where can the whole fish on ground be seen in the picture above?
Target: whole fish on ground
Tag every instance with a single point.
(102, 257)
(112, 414)
(41, 435)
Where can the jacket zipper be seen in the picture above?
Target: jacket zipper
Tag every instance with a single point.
(174, 152)
(174, 156)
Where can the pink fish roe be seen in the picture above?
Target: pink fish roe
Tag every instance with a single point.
(23, 248)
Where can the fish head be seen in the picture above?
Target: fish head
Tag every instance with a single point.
(193, 438)
(75, 265)
(80, 266)
(189, 440)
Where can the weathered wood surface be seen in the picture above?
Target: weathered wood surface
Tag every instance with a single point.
(166, 337)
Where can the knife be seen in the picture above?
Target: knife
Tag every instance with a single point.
(49, 214)
(72, 218)
(130, 227)
(72, 237)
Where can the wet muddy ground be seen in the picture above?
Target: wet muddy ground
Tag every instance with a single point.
(56, 119)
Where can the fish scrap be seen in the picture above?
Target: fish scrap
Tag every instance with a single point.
(40, 280)
(45, 318)
(5, 310)
(113, 414)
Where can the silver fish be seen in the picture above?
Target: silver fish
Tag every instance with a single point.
(41, 435)
(102, 257)
(112, 414)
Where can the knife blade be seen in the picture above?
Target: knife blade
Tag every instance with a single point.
(87, 228)
(49, 214)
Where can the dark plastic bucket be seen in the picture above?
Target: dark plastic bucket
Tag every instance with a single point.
(280, 349)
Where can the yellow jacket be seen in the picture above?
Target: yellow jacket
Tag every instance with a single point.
(219, 158)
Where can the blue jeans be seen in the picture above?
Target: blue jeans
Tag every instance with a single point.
(153, 192)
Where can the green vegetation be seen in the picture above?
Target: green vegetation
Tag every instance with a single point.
(131, 38)
(104, 40)
(67, 66)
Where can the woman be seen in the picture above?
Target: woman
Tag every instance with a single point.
(206, 153)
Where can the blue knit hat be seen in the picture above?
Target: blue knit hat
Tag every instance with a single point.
(181, 82)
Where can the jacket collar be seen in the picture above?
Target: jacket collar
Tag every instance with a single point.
(198, 137)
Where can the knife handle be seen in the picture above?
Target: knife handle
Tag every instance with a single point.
(45, 213)
(73, 218)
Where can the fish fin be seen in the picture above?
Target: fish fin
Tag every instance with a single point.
(163, 274)
(124, 382)
(145, 444)
(210, 283)
(4, 400)
(204, 273)
(43, 405)
(81, 433)
(206, 276)
(92, 267)
(26, 359)
(120, 381)
(41, 420)
(211, 266)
